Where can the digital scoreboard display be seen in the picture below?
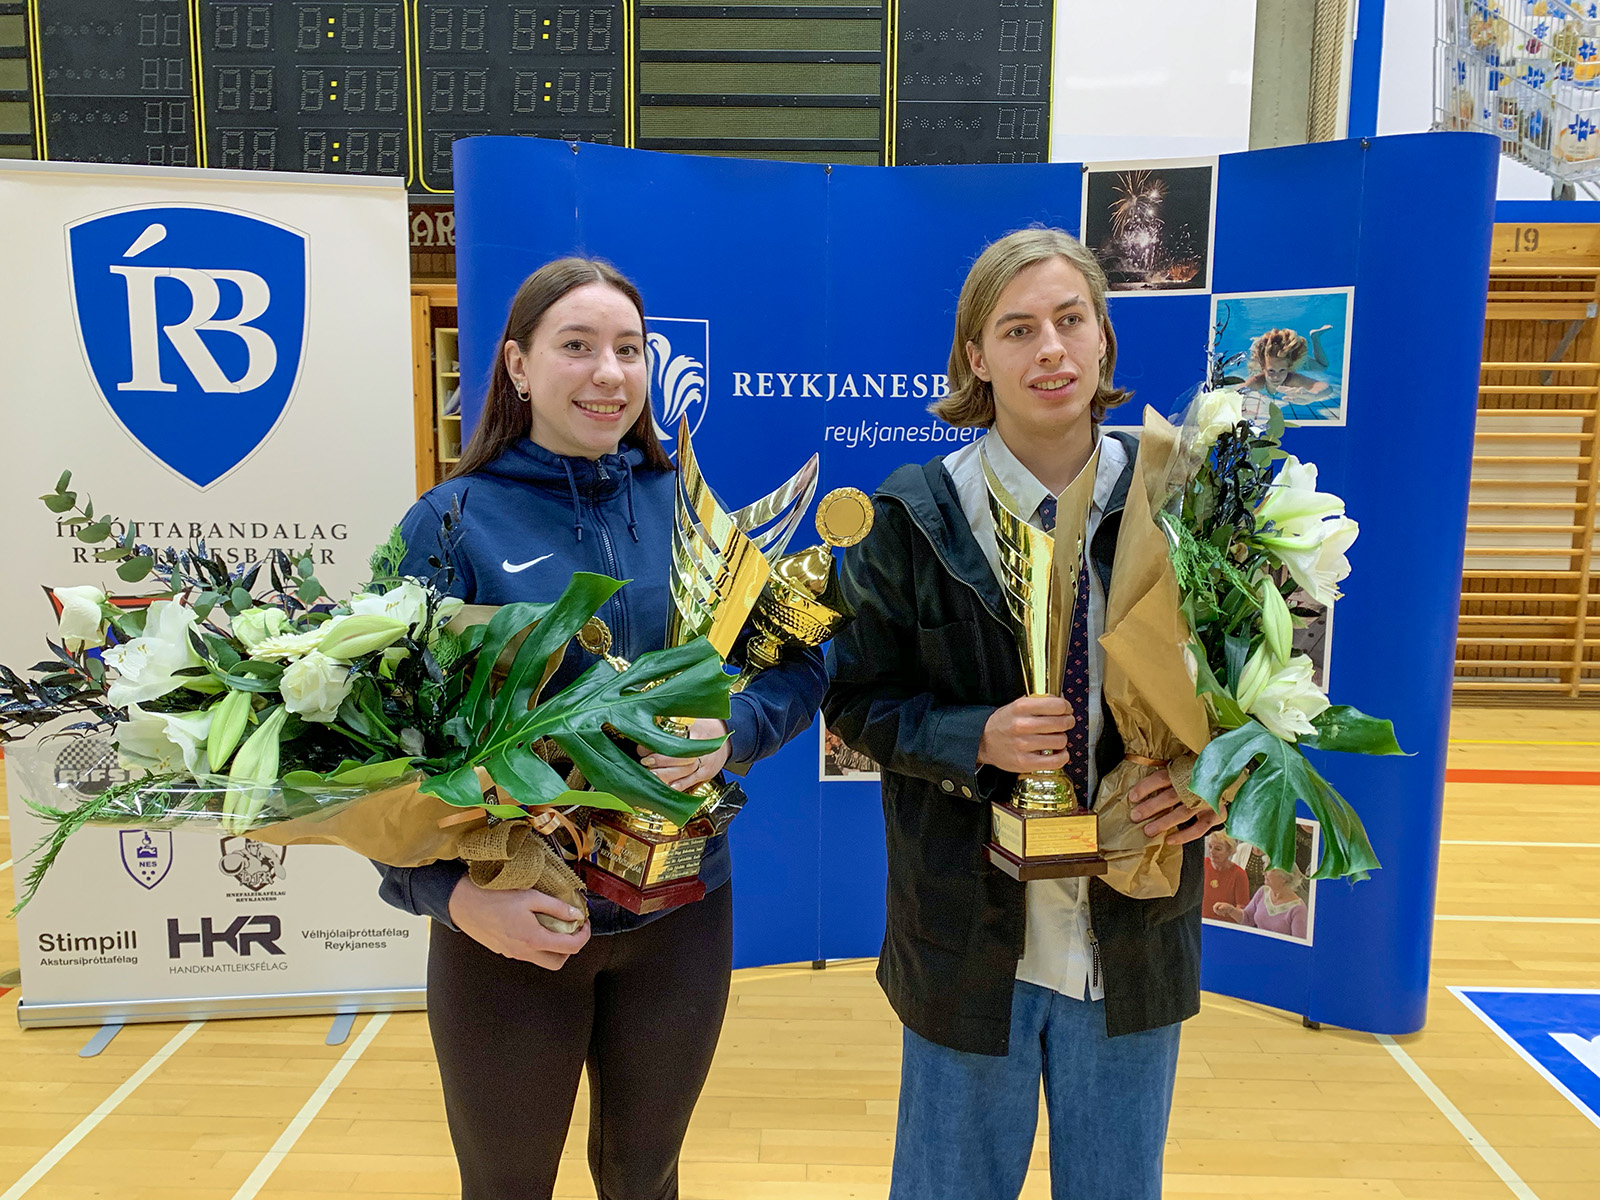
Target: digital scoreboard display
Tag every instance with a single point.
(116, 76)
(386, 87)
(305, 87)
(972, 82)
(541, 70)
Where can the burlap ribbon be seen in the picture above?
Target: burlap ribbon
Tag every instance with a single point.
(511, 856)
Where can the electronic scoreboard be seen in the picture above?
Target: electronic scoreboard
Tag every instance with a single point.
(385, 87)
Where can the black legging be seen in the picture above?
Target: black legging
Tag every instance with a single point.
(643, 1009)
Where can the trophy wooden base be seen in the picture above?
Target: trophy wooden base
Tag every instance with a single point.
(642, 900)
(1032, 844)
(1060, 867)
(641, 869)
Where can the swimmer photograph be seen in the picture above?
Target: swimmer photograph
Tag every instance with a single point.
(1285, 348)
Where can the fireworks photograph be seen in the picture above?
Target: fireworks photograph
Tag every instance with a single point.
(1150, 227)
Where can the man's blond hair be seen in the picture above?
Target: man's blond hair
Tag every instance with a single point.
(971, 400)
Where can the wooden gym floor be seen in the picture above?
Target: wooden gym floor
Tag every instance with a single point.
(801, 1099)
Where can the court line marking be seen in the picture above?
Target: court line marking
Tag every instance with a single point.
(1524, 778)
(60, 1150)
(1517, 1046)
(1536, 845)
(1454, 1115)
(1513, 742)
(308, 1111)
(1505, 921)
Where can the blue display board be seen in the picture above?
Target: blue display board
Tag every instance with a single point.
(823, 299)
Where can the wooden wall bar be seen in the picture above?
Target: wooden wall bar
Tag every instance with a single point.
(1530, 608)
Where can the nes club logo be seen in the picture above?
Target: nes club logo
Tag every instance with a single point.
(193, 324)
(146, 856)
(679, 353)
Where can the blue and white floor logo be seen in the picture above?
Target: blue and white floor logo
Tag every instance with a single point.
(146, 856)
(193, 322)
(1557, 1032)
(679, 350)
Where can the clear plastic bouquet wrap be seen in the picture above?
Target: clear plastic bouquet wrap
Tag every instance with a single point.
(398, 722)
(1202, 678)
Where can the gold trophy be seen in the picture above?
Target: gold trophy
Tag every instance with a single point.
(1042, 832)
(720, 567)
(642, 861)
(800, 605)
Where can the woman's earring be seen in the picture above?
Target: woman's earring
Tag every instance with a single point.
(522, 393)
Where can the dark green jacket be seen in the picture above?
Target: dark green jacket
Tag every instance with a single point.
(913, 680)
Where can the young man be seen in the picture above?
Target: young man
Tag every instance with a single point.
(999, 983)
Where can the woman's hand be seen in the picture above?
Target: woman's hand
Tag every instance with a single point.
(684, 774)
(1153, 799)
(1029, 734)
(1232, 911)
(507, 923)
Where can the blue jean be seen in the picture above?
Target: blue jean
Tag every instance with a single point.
(967, 1121)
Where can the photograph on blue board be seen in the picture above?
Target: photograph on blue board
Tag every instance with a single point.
(1290, 348)
(838, 763)
(1313, 632)
(1242, 890)
(1150, 223)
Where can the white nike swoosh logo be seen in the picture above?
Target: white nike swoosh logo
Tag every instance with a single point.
(532, 562)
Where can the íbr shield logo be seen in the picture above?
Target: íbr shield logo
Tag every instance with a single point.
(679, 349)
(193, 323)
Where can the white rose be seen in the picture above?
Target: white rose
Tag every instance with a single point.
(1289, 700)
(82, 623)
(314, 686)
(146, 666)
(163, 742)
(256, 625)
(1216, 412)
(407, 601)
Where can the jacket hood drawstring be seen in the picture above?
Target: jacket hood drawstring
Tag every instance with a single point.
(577, 507)
(627, 471)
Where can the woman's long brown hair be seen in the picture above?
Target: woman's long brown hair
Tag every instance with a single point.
(504, 420)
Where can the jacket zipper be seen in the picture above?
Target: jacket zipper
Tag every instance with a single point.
(1094, 959)
(609, 552)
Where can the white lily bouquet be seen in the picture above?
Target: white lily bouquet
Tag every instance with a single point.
(395, 722)
(1221, 528)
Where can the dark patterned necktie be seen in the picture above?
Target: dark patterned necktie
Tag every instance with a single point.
(1075, 680)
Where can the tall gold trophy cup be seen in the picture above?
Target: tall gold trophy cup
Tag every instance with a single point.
(720, 569)
(1042, 831)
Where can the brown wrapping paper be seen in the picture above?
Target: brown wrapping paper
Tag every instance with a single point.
(1147, 684)
(405, 827)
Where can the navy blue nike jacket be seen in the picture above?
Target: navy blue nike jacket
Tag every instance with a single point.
(529, 520)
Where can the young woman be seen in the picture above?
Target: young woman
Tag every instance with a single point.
(564, 473)
(1001, 983)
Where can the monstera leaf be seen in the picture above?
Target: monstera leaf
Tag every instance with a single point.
(1263, 811)
(502, 724)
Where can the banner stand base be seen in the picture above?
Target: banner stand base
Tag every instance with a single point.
(208, 1008)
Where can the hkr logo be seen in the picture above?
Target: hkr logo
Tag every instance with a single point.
(253, 864)
(146, 857)
(679, 350)
(245, 932)
(167, 332)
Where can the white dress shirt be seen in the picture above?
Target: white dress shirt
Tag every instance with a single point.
(1058, 952)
